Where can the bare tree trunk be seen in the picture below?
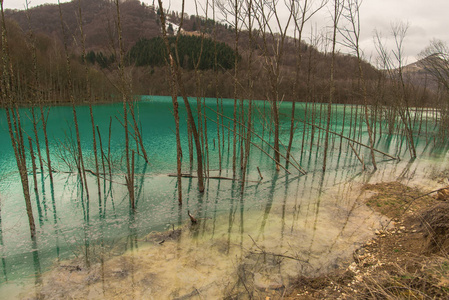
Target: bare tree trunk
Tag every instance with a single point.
(88, 98)
(190, 140)
(180, 84)
(15, 130)
(403, 108)
(352, 37)
(236, 72)
(206, 143)
(273, 63)
(216, 85)
(36, 136)
(336, 16)
(125, 96)
(299, 26)
(250, 96)
(137, 133)
(103, 156)
(81, 169)
(38, 93)
(174, 98)
(33, 164)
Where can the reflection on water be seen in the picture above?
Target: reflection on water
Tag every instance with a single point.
(278, 228)
(264, 244)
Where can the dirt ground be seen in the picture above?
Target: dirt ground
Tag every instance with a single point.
(409, 260)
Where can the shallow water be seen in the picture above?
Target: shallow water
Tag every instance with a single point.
(302, 225)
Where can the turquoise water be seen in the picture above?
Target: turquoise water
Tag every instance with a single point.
(276, 211)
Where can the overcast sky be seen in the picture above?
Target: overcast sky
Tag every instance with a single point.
(427, 19)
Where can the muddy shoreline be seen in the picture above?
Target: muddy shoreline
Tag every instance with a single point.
(409, 260)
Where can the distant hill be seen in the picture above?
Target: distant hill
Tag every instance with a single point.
(140, 21)
(416, 74)
(99, 19)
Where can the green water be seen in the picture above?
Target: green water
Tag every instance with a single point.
(316, 216)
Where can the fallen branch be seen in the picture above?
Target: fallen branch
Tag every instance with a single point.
(357, 155)
(186, 175)
(262, 251)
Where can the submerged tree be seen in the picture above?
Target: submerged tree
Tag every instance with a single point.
(393, 64)
(8, 97)
(125, 91)
(179, 82)
(338, 7)
(266, 13)
(301, 12)
(80, 158)
(351, 37)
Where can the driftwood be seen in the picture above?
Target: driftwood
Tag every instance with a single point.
(187, 175)
(357, 155)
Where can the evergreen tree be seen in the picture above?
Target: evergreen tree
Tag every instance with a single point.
(153, 53)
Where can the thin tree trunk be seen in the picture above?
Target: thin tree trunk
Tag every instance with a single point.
(33, 164)
(15, 130)
(250, 96)
(180, 84)
(81, 169)
(332, 82)
(236, 72)
(178, 138)
(88, 98)
(125, 96)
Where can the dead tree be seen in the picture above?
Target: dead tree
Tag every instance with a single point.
(301, 14)
(394, 71)
(351, 37)
(88, 98)
(174, 98)
(180, 84)
(40, 100)
(249, 4)
(265, 13)
(338, 6)
(8, 95)
(81, 168)
(125, 91)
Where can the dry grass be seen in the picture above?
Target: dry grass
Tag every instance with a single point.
(407, 261)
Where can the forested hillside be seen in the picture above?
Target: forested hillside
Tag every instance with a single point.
(146, 63)
(193, 51)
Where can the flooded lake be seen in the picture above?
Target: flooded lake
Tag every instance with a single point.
(278, 228)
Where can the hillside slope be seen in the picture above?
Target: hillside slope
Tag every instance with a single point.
(139, 21)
